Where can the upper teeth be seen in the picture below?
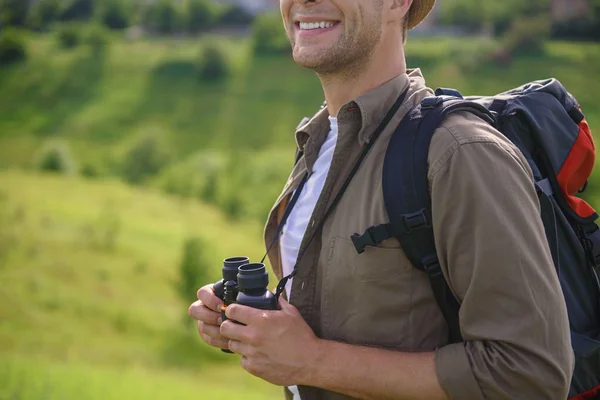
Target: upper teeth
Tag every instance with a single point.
(316, 25)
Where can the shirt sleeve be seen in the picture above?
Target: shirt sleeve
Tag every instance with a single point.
(494, 253)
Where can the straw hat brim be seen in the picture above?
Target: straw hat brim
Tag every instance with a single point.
(419, 10)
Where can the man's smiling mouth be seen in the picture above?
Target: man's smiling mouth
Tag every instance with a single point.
(316, 25)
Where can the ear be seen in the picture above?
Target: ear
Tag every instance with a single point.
(403, 5)
(395, 10)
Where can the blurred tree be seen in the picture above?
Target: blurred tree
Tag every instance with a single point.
(69, 35)
(268, 35)
(144, 158)
(56, 157)
(193, 269)
(115, 14)
(214, 63)
(495, 16)
(97, 37)
(209, 190)
(14, 12)
(235, 15)
(200, 15)
(163, 16)
(586, 27)
(43, 13)
(527, 35)
(12, 47)
(78, 10)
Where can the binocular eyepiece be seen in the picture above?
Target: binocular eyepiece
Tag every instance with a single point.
(230, 271)
(244, 283)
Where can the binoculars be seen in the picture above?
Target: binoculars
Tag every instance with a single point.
(244, 283)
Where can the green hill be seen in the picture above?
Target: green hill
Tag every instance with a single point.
(221, 141)
(100, 102)
(88, 302)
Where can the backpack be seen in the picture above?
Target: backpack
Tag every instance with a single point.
(547, 125)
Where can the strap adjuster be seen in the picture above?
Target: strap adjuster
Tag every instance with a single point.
(431, 102)
(417, 220)
(432, 266)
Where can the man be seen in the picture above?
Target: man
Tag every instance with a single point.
(367, 326)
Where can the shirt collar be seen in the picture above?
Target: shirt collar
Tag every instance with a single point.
(366, 111)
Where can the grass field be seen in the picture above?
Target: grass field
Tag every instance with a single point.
(101, 102)
(27, 379)
(240, 130)
(91, 312)
(88, 267)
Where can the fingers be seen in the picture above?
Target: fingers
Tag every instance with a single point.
(239, 348)
(212, 331)
(212, 338)
(231, 330)
(207, 297)
(244, 314)
(200, 312)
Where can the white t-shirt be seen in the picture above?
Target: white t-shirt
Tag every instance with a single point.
(295, 227)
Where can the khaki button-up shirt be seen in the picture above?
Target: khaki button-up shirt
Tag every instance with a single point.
(490, 242)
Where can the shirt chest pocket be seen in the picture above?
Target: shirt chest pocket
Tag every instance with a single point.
(366, 298)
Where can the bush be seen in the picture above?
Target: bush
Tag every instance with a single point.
(495, 16)
(12, 47)
(69, 35)
(97, 38)
(269, 35)
(472, 56)
(14, 12)
(234, 16)
(144, 158)
(192, 269)
(80, 10)
(163, 16)
(214, 63)
(197, 176)
(200, 14)
(462, 13)
(114, 14)
(527, 35)
(43, 14)
(56, 157)
(587, 28)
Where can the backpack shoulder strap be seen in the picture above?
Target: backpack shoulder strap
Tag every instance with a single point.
(406, 192)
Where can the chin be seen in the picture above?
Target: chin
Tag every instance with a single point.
(308, 59)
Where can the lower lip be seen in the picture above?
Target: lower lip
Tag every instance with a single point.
(313, 32)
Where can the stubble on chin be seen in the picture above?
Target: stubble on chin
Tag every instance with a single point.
(344, 59)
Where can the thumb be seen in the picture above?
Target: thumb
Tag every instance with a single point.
(285, 305)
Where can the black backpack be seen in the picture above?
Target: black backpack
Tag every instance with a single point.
(546, 123)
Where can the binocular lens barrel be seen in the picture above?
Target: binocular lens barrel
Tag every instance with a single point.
(231, 265)
(252, 276)
(230, 271)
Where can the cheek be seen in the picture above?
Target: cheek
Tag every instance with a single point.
(285, 9)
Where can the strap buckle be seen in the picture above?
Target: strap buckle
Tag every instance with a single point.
(417, 220)
(364, 240)
(372, 237)
(432, 266)
(431, 102)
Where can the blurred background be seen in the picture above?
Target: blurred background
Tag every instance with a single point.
(144, 141)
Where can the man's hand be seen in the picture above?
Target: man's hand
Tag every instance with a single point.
(207, 310)
(277, 346)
